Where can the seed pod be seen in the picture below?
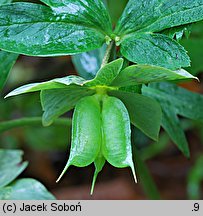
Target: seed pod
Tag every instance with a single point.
(86, 133)
(116, 144)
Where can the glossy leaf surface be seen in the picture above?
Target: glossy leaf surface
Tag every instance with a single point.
(52, 84)
(7, 60)
(143, 74)
(38, 30)
(157, 15)
(144, 112)
(91, 13)
(154, 49)
(116, 145)
(5, 2)
(10, 166)
(175, 100)
(86, 133)
(25, 189)
(141, 19)
(56, 102)
(107, 74)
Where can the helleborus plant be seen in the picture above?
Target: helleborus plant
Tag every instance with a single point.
(104, 110)
(120, 94)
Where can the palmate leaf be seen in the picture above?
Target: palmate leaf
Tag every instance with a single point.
(143, 74)
(141, 20)
(7, 60)
(68, 28)
(175, 101)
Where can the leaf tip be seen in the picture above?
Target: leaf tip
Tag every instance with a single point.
(8, 95)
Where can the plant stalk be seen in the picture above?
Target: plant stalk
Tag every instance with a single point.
(33, 121)
(107, 54)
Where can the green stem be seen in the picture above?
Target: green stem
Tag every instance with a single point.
(33, 121)
(107, 54)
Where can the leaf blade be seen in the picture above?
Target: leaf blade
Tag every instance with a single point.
(143, 74)
(25, 189)
(156, 15)
(56, 102)
(7, 61)
(175, 100)
(11, 166)
(141, 49)
(38, 31)
(106, 74)
(51, 84)
(87, 12)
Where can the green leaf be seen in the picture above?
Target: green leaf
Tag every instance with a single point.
(106, 74)
(11, 166)
(175, 101)
(132, 89)
(52, 84)
(172, 125)
(156, 15)
(38, 30)
(25, 189)
(186, 103)
(87, 64)
(177, 33)
(5, 2)
(144, 112)
(154, 49)
(141, 19)
(56, 102)
(143, 74)
(86, 12)
(7, 60)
